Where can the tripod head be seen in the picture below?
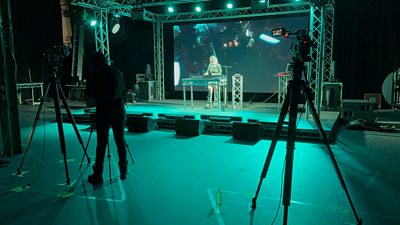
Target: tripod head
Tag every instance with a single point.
(300, 49)
(54, 57)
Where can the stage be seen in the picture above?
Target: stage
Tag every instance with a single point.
(164, 115)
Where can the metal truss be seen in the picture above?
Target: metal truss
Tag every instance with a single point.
(314, 72)
(246, 12)
(321, 31)
(237, 91)
(329, 75)
(101, 31)
(142, 3)
(158, 37)
(319, 68)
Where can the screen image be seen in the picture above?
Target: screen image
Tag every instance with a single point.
(241, 47)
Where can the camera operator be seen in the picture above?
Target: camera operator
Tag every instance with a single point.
(106, 85)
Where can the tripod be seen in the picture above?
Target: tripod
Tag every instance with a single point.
(3, 163)
(54, 84)
(92, 119)
(294, 90)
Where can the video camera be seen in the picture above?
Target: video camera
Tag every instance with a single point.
(300, 49)
(55, 56)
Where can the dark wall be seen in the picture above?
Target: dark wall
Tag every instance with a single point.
(367, 44)
(37, 27)
(132, 53)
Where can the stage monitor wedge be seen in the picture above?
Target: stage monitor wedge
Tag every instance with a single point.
(140, 124)
(189, 127)
(246, 131)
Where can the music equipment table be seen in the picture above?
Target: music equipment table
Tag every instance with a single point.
(219, 81)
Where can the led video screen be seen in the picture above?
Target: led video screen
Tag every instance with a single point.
(242, 47)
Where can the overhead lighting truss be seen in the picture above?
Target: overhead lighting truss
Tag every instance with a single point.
(236, 13)
(124, 8)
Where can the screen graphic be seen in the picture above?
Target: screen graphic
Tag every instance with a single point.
(242, 47)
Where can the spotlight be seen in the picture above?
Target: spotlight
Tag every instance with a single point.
(93, 23)
(171, 9)
(229, 5)
(115, 25)
(198, 9)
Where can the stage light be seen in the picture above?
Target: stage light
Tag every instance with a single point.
(198, 9)
(229, 5)
(115, 25)
(171, 9)
(93, 23)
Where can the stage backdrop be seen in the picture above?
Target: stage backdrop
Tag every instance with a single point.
(239, 47)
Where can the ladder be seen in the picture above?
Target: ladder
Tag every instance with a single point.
(77, 52)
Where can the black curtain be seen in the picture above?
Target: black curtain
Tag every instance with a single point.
(367, 45)
(37, 27)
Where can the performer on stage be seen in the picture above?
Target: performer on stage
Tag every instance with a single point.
(214, 69)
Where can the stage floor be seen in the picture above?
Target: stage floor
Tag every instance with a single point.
(175, 181)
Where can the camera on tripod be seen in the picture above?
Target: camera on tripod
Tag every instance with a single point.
(301, 48)
(55, 56)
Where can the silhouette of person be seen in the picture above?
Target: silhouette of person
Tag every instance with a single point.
(106, 85)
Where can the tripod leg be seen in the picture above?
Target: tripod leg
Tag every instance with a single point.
(87, 144)
(290, 146)
(44, 97)
(129, 151)
(66, 106)
(307, 92)
(109, 158)
(61, 131)
(271, 150)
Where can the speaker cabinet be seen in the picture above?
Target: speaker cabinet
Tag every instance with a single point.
(140, 124)
(189, 127)
(147, 90)
(331, 96)
(246, 131)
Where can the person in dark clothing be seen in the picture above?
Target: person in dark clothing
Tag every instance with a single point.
(106, 85)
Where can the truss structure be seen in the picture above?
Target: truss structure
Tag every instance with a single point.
(159, 58)
(320, 66)
(321, 31)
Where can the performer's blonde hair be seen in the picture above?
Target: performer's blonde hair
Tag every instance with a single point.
(215, 58)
